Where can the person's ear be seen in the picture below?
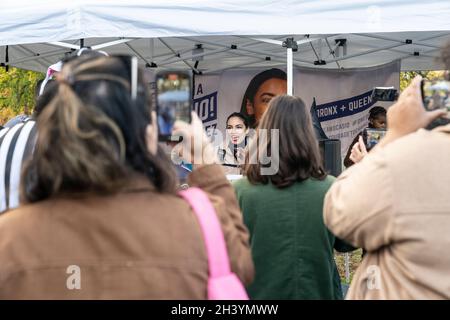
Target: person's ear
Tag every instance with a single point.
(249, 107)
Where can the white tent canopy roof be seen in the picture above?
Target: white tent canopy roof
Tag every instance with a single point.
(35, 34)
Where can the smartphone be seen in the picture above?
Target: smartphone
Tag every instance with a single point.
(384, 94)
(173, 102)
(435, 95)
(373, 136)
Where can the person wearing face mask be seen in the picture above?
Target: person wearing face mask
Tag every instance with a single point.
(232, 152)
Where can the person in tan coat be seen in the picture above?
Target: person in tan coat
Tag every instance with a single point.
(102, 219)
(395, 204)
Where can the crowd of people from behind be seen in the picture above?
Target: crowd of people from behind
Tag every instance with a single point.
(97, 191)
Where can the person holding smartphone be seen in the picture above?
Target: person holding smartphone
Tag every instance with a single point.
(405, 229)
(173, 102)
(102, 218)
(377, 120)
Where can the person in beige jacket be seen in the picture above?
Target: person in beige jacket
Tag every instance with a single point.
(102, 219)
(395, 204)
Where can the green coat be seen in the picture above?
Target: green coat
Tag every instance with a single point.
(291, 247)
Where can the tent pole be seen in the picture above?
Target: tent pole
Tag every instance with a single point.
(367, 52)
(7, 58)
(256, 41)
(193, 84)
(315, 53)
(42, 62)
(48, 62)
(138, 54)
(374, 36)
(152, 48)
(419, 54)
(267, 58)
(435, 36)
(239, 48)
(290, 45)
(40, 56)
(272, 54)
(235, 66)
(64, 45)
(400, 51)
(177, 59)
(169, 56)
(174, 52)
(111, 43)
(290, 73)
(332, 52)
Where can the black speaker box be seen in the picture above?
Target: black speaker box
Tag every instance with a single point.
(331, 156)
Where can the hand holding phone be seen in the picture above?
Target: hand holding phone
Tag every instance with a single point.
(174, 102)
(196, 146)
(373, 136)
(408, 114)
(359, 151)
(436, 95)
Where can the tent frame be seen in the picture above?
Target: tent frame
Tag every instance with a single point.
(216, 48)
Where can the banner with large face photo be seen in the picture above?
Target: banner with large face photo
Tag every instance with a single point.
(343, 97)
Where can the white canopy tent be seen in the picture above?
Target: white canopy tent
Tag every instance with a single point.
(209, 36)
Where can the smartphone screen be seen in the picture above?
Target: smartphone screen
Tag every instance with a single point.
(373, 136)
(173, 99)
(435, 95)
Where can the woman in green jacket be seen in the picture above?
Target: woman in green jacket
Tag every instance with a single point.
(282, 202)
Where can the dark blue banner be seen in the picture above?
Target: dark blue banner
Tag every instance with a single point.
(344, 108)
(206, 107)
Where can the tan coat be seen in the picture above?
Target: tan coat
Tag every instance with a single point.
(396, 205)
(136, 245)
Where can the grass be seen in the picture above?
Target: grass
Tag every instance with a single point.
(354, 262)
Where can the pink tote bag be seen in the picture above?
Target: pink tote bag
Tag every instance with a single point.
(222, 283)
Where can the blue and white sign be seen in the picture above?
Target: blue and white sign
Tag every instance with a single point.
(343, 97)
